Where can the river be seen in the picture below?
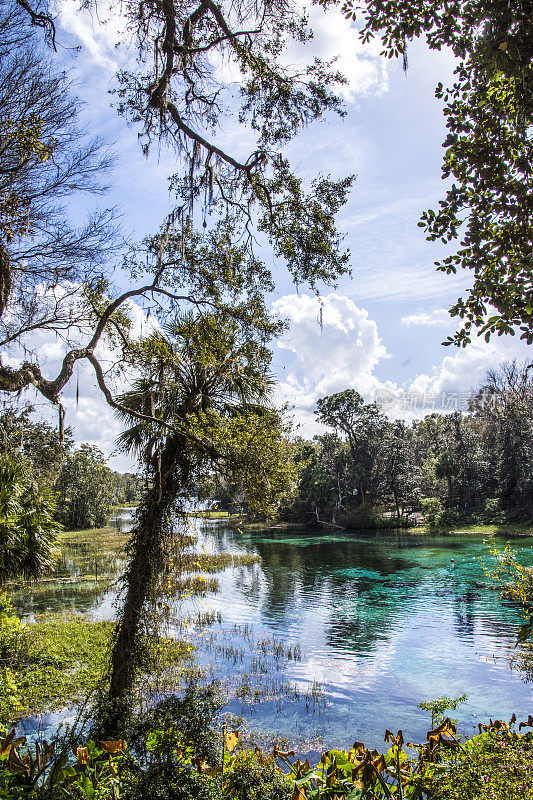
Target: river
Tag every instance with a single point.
(332, 638)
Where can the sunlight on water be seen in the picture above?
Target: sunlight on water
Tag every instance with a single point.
(339, 636)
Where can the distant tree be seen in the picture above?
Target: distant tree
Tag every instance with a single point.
(133, 487)
(326, 487)
(364, 427)
(401, 474)
(86, 489)
(488, 148)
(504, 404)
(35, 442)
(28, 530)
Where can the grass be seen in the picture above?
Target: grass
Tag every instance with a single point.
(99, 540)
(500, 529)
(214, 515)
(216, 562)
(66, 658)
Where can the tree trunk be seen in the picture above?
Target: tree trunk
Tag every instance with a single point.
(150, 531)
(5, 278)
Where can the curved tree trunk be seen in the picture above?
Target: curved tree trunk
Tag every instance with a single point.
(150, 531)
(5, 278)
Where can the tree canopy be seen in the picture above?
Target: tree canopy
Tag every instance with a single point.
(173, 93)
(488, 148)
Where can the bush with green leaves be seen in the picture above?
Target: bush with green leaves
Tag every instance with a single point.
(255, 778)
(431, 508)
(28, 530)
(13, 648)
(86, 488)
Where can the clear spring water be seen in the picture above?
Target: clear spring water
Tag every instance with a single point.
(377, 624)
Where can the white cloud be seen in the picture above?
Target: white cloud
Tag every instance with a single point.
(346, 350)
(451, 383)
(436, 318)
(334, 345)
(465, 369)
(335, 37)
(97, 30)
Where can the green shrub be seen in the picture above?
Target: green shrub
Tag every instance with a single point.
(253, 777)
(177, 781)
(13, 647)
(13, 639)
(497, 765)
(492, 513)
(431, 508)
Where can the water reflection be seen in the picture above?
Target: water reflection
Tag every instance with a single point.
(381, 622)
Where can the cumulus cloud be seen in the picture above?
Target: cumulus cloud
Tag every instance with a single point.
(337, 38)
(452, 382)
(332, 345)
(436, 318)
(334, 38)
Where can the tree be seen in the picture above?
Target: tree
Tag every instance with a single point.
(36, 443)
(489, 112)
(28, 531)
(401, 474)
(364, 427)
(504, 405)
(86, 488)
(175, 93)
(324, 485)
(50, 268)
(204, 398)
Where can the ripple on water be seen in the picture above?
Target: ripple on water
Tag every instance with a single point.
(381, 623)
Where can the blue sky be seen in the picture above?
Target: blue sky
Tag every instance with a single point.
(382, 330)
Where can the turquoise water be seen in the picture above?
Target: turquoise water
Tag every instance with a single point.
(334, 638)
(382, 624)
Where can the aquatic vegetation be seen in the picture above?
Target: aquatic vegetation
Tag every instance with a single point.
(64, 659)
(215, 562)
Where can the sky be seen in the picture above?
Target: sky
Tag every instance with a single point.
(382, 328)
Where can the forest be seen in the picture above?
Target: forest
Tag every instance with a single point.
(220, 619)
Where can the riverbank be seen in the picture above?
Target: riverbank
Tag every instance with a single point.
(509, 530)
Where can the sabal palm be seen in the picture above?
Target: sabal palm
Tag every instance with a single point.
(28, 531)
(196, 364)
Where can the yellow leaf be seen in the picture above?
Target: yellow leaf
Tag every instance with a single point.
(230, 739)
(113, 747)
(82, 754)
(5, 744)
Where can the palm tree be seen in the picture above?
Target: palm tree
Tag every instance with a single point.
(28, 531)
(198, 369)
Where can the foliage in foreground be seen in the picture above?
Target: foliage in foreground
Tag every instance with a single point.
(179, 753)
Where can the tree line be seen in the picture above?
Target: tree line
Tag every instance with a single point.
(76, 482)
(458, 467)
